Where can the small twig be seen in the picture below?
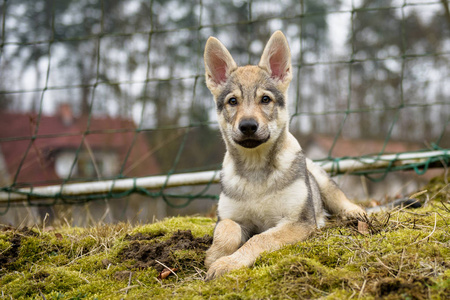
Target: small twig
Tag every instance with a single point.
(127, 288)
(42, 295)
(79, 275)
(445, 206)
(142, 284)
(443, 218)
(440, 191)
(362, 288)
(431, 233)
(85, 279)
(425, 204)
(416, 214)
(81, 256)
(200, 273)
(315, 289)
(43, 221)
(415, 195)
(401, 263)
(387, 268)
(129, 282)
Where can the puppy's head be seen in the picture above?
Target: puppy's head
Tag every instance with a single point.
(250, 100)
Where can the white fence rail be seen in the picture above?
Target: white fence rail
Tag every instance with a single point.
(345, 165)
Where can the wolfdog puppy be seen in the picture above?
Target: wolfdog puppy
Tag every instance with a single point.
(272, 195)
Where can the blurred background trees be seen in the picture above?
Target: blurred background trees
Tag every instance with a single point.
(374, 69)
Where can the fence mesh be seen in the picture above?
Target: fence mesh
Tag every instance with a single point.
(131, 73)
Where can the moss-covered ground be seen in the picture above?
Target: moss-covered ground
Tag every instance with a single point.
(404, 254)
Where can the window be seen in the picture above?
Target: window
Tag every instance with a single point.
(98, 165)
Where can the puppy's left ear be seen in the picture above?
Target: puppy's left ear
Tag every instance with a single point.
(276, 58)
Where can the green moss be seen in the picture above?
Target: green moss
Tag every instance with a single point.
(199, 226)
(7, 278)
(406, 256)
(30, 251)
(88, 264)
(58, 260)
(4, 245)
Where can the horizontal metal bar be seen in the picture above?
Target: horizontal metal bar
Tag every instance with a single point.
(339, 166)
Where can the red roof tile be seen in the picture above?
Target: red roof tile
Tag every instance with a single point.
(358, 147)
(116, 134)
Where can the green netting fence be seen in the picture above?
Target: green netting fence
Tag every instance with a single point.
(363, 70)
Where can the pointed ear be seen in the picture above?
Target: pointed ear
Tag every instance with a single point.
(218, 63)
(276, 58)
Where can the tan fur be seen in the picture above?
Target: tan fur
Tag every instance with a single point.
(268, 241)
(228, 239)
(334, 199)
(271, 194)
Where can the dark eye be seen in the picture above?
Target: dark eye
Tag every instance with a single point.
(232, 101)
(265, 99)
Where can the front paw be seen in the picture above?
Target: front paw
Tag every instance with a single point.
(355, 213)
(211, 257)
(213, 254)
(221, 266)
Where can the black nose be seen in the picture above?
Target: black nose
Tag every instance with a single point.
(248, 126)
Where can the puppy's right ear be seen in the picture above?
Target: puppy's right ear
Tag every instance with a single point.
(218, 63)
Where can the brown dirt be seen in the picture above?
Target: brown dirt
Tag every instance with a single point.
(10, 255)
(143, 237)
(398, 288)
(40, 276)
(146, 252)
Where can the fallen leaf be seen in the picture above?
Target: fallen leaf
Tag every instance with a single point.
(363, 227)
(166, 272)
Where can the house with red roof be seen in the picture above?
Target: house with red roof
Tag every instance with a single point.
(52, 149)
(43, 150)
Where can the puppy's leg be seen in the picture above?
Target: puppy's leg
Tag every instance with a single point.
(227, 239)
(270, 240)
(333, 198)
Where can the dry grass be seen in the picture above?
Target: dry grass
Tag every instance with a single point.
(404, 254)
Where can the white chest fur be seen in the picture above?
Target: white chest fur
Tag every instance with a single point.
(260, 190)
(261, 208)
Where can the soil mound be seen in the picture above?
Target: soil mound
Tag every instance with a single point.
(146, 251)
